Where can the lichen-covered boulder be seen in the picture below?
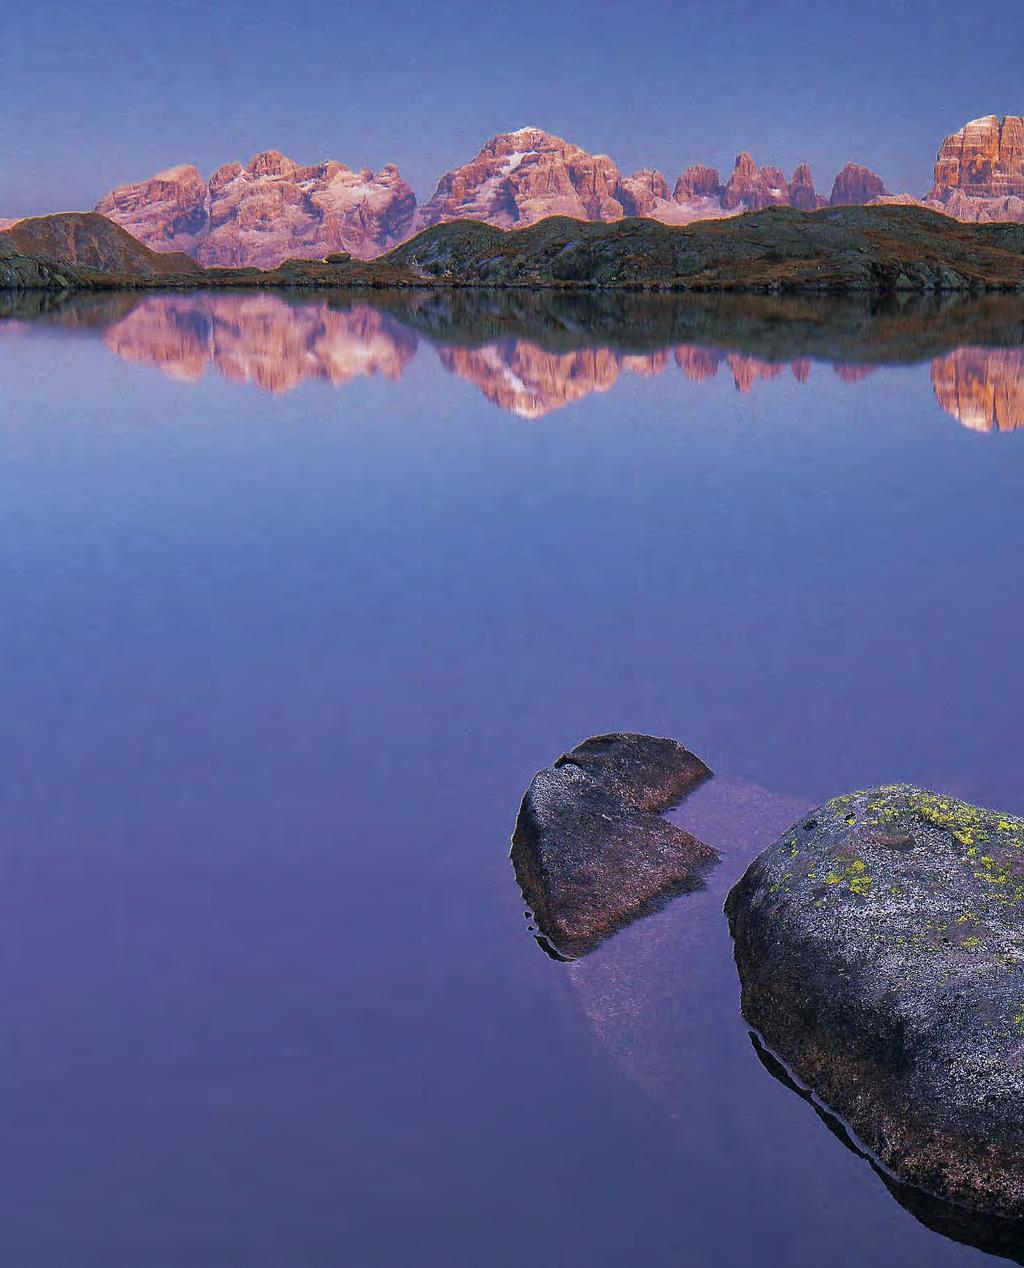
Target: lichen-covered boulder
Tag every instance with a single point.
(880, 947)
(590, 849)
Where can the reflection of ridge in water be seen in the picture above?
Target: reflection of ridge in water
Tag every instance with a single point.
(531, 354)
(276, 345)
(993, 1234)
(983, 388)
(526, 380)
(261, 339)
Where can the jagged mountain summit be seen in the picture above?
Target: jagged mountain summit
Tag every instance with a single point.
(273, 208)
(521, 177)
(979, 174)
(856, 186)
(266, 211)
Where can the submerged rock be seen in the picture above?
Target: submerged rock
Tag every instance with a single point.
(590, 850)
(880, 946)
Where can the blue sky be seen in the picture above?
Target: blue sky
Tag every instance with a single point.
(99, 92)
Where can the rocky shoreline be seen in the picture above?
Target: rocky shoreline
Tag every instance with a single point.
(881, 250)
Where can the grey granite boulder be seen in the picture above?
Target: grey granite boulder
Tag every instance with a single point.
(880, 947)
(590, 850)
(994, 1234)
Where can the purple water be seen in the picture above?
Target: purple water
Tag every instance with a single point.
(276, 668)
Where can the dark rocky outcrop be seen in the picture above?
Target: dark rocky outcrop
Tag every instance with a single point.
(24, 273)
(590, 849)
(878, 249)
(880, 946)
(89, 241)
(835, 249)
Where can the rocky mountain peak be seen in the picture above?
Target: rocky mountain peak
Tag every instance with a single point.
(268, 210)
(979, 172)
(167, 213)
(745, 165)
(856, 185)
(641, 193)
(751, 189)
(520, 177)
(698, 181)
(271, 163)
(802, 193)
(984, 159)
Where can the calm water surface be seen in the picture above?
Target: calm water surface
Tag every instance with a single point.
(297, 597)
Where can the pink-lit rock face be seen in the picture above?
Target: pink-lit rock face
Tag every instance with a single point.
(698, 181)
(855, 185)
(273, 208)
(985, 159)
(979, 173)
(751, 189)
(520, 177)
(802, 193)
(641, 193)
(167, 213)
(267, 211)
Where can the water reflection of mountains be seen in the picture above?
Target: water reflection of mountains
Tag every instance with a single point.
(532, 353)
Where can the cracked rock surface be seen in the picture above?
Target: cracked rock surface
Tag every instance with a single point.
(591, 851)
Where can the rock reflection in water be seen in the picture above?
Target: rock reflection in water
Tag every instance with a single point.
(993, 1234)
(525, 380)
(642, 991)
(983, 388)
(262, 339)
(532, 354)
(644, 994)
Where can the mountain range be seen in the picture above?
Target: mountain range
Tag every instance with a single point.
(273, 208)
